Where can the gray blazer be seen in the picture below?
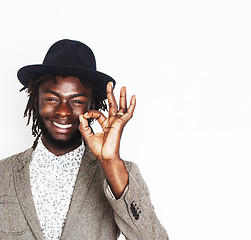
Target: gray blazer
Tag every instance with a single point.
(93, 213)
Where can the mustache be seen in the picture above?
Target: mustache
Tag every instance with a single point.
(56, 118)
(77, 121)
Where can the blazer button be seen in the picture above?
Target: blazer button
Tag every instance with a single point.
(133, 208)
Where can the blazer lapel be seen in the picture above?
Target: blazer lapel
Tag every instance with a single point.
(24, 194)
(86, 172)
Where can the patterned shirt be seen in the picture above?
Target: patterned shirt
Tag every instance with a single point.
(52, 181)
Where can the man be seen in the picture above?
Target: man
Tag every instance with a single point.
(72, 184)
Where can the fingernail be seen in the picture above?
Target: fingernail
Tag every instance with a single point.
(86, 114)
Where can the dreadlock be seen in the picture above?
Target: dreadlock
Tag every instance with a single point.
(31, 110)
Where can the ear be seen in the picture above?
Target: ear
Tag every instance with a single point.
(93, 105)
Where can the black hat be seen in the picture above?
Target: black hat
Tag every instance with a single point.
(69, 58)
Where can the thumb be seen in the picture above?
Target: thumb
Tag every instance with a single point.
(84, 128)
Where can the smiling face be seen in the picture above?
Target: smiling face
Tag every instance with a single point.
(60, 104)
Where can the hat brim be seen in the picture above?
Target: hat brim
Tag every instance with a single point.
(32, 72)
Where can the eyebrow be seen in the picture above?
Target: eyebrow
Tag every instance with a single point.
(72, 96)
(78, 95)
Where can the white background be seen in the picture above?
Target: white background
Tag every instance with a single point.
(188, 62)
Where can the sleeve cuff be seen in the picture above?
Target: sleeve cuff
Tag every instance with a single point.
(109, 193)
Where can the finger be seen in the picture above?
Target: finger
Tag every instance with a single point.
(122, 100)
(96, 115)
(84, 128)
(113, 107)
(130, 110)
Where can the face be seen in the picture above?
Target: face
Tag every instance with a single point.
(60, 104)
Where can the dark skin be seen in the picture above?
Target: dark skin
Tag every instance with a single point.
(60, 104)
(64, 103)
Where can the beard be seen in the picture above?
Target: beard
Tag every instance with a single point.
(58, 143)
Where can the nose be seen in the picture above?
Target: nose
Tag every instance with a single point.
(63, 109)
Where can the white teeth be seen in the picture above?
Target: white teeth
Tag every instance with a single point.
(62, 125)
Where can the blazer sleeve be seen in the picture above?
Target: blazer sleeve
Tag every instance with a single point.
(133, 211)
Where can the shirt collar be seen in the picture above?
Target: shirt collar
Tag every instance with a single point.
(43, 156)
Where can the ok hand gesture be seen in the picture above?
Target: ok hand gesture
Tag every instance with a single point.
(105, 145)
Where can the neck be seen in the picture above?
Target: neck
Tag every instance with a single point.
(60, 148)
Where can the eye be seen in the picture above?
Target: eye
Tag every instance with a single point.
(51, 100)
(77, 102)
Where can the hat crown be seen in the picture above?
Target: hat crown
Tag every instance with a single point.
(68, 58)
(70, 53)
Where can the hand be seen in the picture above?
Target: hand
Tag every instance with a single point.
(105, 145)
